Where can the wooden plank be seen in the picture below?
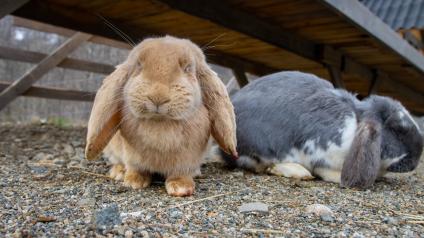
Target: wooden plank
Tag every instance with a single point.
(230, 61)
(221, 13)
(375, 83)
(39, 13)
(362, 18)
(396, 86)
(39, 26)
(54, 93)
(336, 76)
(9, 6)
(331, 56)
(24, 83)
(214, 57)
(67, 63)
(240, 76)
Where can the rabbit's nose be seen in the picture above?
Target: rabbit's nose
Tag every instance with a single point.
(158, 101)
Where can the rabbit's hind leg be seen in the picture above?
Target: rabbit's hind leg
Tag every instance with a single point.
(290, 170)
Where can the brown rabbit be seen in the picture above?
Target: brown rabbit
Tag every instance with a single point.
(156, 112)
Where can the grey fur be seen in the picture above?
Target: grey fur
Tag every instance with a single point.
(282, 111)
(362, 164)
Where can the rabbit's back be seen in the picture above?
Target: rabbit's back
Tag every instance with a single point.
(289, 111)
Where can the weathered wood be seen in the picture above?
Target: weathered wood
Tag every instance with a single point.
(364, 19)
(230, 61)
(54, 93)
(39, 26)
(213, 56)
(24, 83)
(352, 67)
(362, 52)
(240, 76)
(375, 83)
(67, 63)
(336, 76)
(403, 90)
(9, 6)
(223, 14)
(331, 56)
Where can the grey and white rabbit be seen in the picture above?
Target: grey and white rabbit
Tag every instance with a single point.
(295, 124)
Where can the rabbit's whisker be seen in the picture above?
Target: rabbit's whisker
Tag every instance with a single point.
(122, 34)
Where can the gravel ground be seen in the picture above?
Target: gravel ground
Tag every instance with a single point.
(48, 189)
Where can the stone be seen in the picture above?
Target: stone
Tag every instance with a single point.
(87, 202)
(324, 212)
(42, 156)
(107, 217)
(68, 149)
(390, 220)
(254, 207)
(59, 161)
(128, 234)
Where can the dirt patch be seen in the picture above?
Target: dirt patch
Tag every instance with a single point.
(48, 189)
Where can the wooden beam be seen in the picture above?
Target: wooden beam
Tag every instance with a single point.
(240, 76)
(67, 63)
(24, 83)
(96, 26)
(358, 14)
(9, 6)
(396, 86)
(331, 56)
(221, 13)
(336, 76)
(39, 26)
(38, 10)
(375, 83)
(231, 62)
(54, 93)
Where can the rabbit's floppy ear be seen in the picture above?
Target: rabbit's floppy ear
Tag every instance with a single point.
(106, 112)
(220, 108)
(362, 164)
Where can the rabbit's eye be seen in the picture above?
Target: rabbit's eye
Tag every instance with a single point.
(188, 68)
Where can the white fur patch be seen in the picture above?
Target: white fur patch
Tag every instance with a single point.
(387, 162)
(334, 154)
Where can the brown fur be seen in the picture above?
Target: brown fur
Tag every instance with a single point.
(161, 105)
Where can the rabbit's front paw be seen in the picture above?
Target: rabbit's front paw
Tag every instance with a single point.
(117, 172)
(136, 179)
(180, 186)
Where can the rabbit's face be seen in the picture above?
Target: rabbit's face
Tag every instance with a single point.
(163, 83)
(402, 142)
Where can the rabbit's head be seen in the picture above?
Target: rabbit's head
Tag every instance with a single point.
(402, 141)
(164, 81)
(163, 78)
(387, 140)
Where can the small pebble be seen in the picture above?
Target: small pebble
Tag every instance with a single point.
(253, 207)
(324, 212)
(107, 217)
(128, 234)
